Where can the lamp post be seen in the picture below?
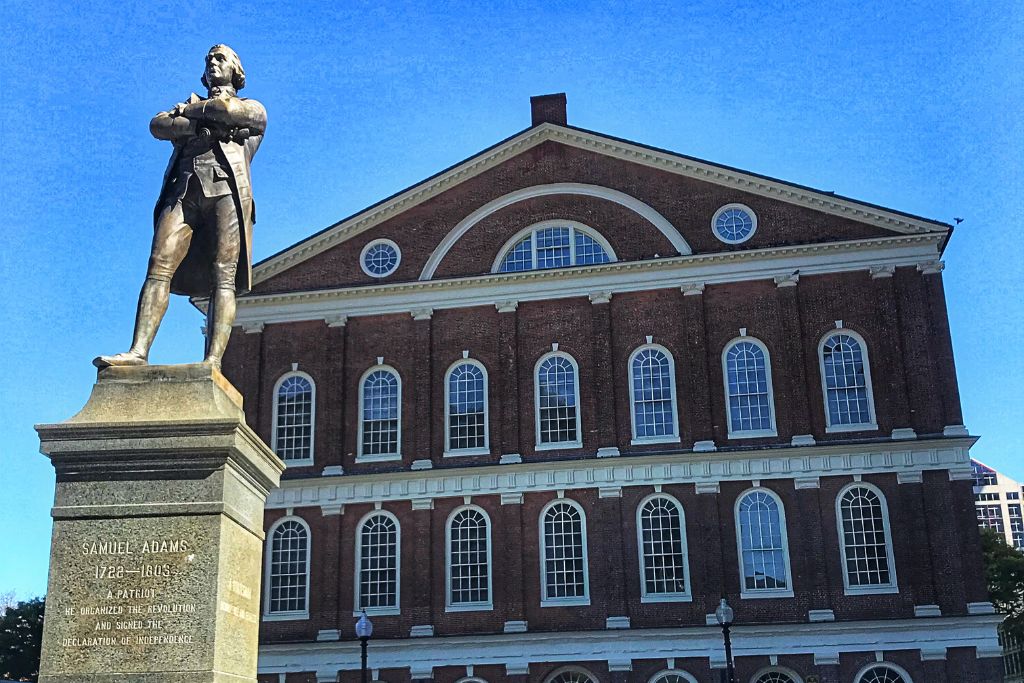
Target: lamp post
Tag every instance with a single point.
(364, 629)
(724, 615)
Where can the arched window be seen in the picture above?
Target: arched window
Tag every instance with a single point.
(661, 535)
(558, 400)
(553, 245)
(380, 410)
(287, 583)
(571, 675)
(652, 395)
(378, 551)
(883, 673)
(763, 547)
(748, 389)
(469, 559)
(294, 403)
(672, 676)
(864, 540)
(466, 414)
(775, 675)
(846, 382)
(563, 539)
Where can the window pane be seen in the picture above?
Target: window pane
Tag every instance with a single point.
(564, 569)
(653, 415)
(864, 538)
(294, 433)
(764, 554)
(881, 674)
(519, 258)
(747, 383)
(288, 568)
(1016, 524)
(468, 559)
(380, 413)
(991, 517)
(588, 251)
(845, 381)
(378, 563)
(556, 386)
(572, 677)
(467, 419)
(553, 250)
(774, 677)
(984, 476)
(661, 540)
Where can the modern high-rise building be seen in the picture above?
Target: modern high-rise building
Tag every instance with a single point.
(545, 409)
(997, 499)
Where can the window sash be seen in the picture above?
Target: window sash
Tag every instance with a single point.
(289, 568)
(469, 558)
(865, 540)
(378, 563)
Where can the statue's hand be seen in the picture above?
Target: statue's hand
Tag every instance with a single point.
(179, 109)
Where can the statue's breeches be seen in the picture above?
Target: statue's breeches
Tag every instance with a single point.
(206, 229)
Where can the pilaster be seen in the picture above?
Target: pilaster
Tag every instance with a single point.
(603, 385)
(697, 389)
(508, 370)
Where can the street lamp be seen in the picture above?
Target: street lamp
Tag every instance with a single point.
(364, 629)
(724, 615)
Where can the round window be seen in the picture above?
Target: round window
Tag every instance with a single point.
(734, 223)
(380, 258)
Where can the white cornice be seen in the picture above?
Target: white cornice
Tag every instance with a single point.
(622, 276)
(667, 161)
(704, 469)
(701, 642)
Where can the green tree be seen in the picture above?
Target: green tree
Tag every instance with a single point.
(21, 636)
(1004, 572)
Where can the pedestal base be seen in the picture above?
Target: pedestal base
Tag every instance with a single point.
(155, 563)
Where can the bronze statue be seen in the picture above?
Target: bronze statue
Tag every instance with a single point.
(202, 242)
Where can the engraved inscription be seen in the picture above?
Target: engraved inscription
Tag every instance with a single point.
(128, 601)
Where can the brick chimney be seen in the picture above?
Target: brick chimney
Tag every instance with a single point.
(548, 109)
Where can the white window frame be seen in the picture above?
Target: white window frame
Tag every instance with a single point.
(672, 672)
(467, 606)
(750, 433)
(585, 229)
(378, 457)
(312, 417)
(860, 427)
(889, 665)
(563, 602)
(294, 615)
(755, 593)
(685, 596)
(371, 244)
(668, 438)
(486, 449)
(893, 585)
(777, 669)
(723, 209)
(559, 445)
(571, 669)
(357, 611)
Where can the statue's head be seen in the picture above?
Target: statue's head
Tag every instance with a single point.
(223, 67)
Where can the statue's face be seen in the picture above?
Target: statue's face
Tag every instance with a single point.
(219, 70)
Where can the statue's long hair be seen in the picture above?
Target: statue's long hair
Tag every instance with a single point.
(238, 77)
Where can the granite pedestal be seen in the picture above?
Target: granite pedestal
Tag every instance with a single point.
(155, 562)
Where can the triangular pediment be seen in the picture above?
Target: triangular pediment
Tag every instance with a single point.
(887, 220)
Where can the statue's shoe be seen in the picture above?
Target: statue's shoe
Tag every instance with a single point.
(119, 360)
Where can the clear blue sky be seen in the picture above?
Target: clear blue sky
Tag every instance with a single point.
(913, 105)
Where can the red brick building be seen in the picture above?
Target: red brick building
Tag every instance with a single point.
(543, 410)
